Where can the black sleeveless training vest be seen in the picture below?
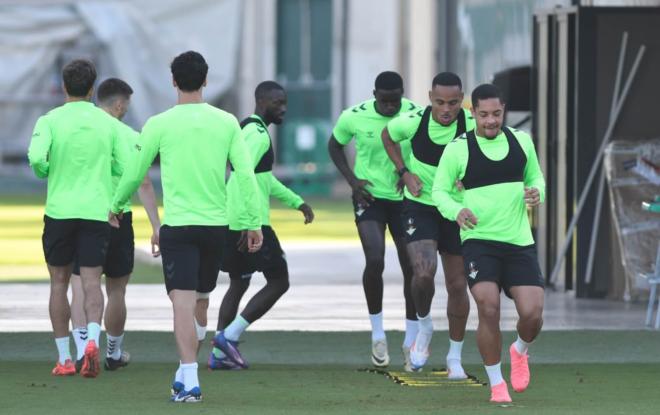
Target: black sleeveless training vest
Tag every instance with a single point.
(482, 171)
(423, 148)
(267, 160)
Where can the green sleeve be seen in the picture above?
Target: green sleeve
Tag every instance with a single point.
(244, 170)
(403, 127)
(257, 143)
(284, 194)
(122, 146)
(40, 148)
(449, 170)
(533, 174)
(128, 139)
(344, 131)
(136, 169)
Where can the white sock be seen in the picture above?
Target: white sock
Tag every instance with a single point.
(454, 360)
(455, 349)
(236, 328)
(190, 379)
(201, 331)
(114, 346)
(425, 323)
(377, 332)
(424, 335)
(521, 345)
(494, 374)
(62, 344)
(412, 327)
(80, 338)
(94, 332)
(178, 376)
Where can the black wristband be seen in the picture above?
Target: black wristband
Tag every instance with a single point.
(403, 170)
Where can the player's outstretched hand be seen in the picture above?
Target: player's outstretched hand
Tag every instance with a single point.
(254, 240)
(155, 244)
(466, 219)
(360, 193)
(532, 196)
(413, 184)
(307, 212)
(114, 218)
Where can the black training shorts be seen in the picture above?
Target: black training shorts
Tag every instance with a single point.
(383, 211)
(191, 256)
(422, 222)
(64, 239)
(121, 250)
(505, 264)
(242, 264)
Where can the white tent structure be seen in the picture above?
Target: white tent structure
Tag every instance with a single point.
(132, 40)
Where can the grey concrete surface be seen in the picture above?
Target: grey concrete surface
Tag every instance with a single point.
(326, 295)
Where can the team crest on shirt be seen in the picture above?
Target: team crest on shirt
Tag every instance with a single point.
(411, 226)
(370, 134)
(473, 270)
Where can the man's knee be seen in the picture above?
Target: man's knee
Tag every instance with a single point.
(115, 287)
(279, 281)
(532, 316)
(424, 259)
(239, 282)
(375, 264)
(59, 286)
(489, 310)
(456, 286)
(284, 285)
(426, 281)
(60, 276)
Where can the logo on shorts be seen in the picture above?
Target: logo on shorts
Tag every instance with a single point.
(169, 270)
(411, 226)
(473, 270)
(359, 211)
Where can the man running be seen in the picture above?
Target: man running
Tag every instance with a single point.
(500, 172)
(270, 108)
(114, 97)
(195, 140)
(376, 201)
(428, 233)
(77, 147)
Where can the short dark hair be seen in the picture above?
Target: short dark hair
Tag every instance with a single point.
(189, 70)
(485, 91)
(265, 88)
(78, 77)
(388, 81)
(111, 88)
(447, 79)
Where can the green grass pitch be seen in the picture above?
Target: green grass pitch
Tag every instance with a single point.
(580, 372)
(21, 225)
